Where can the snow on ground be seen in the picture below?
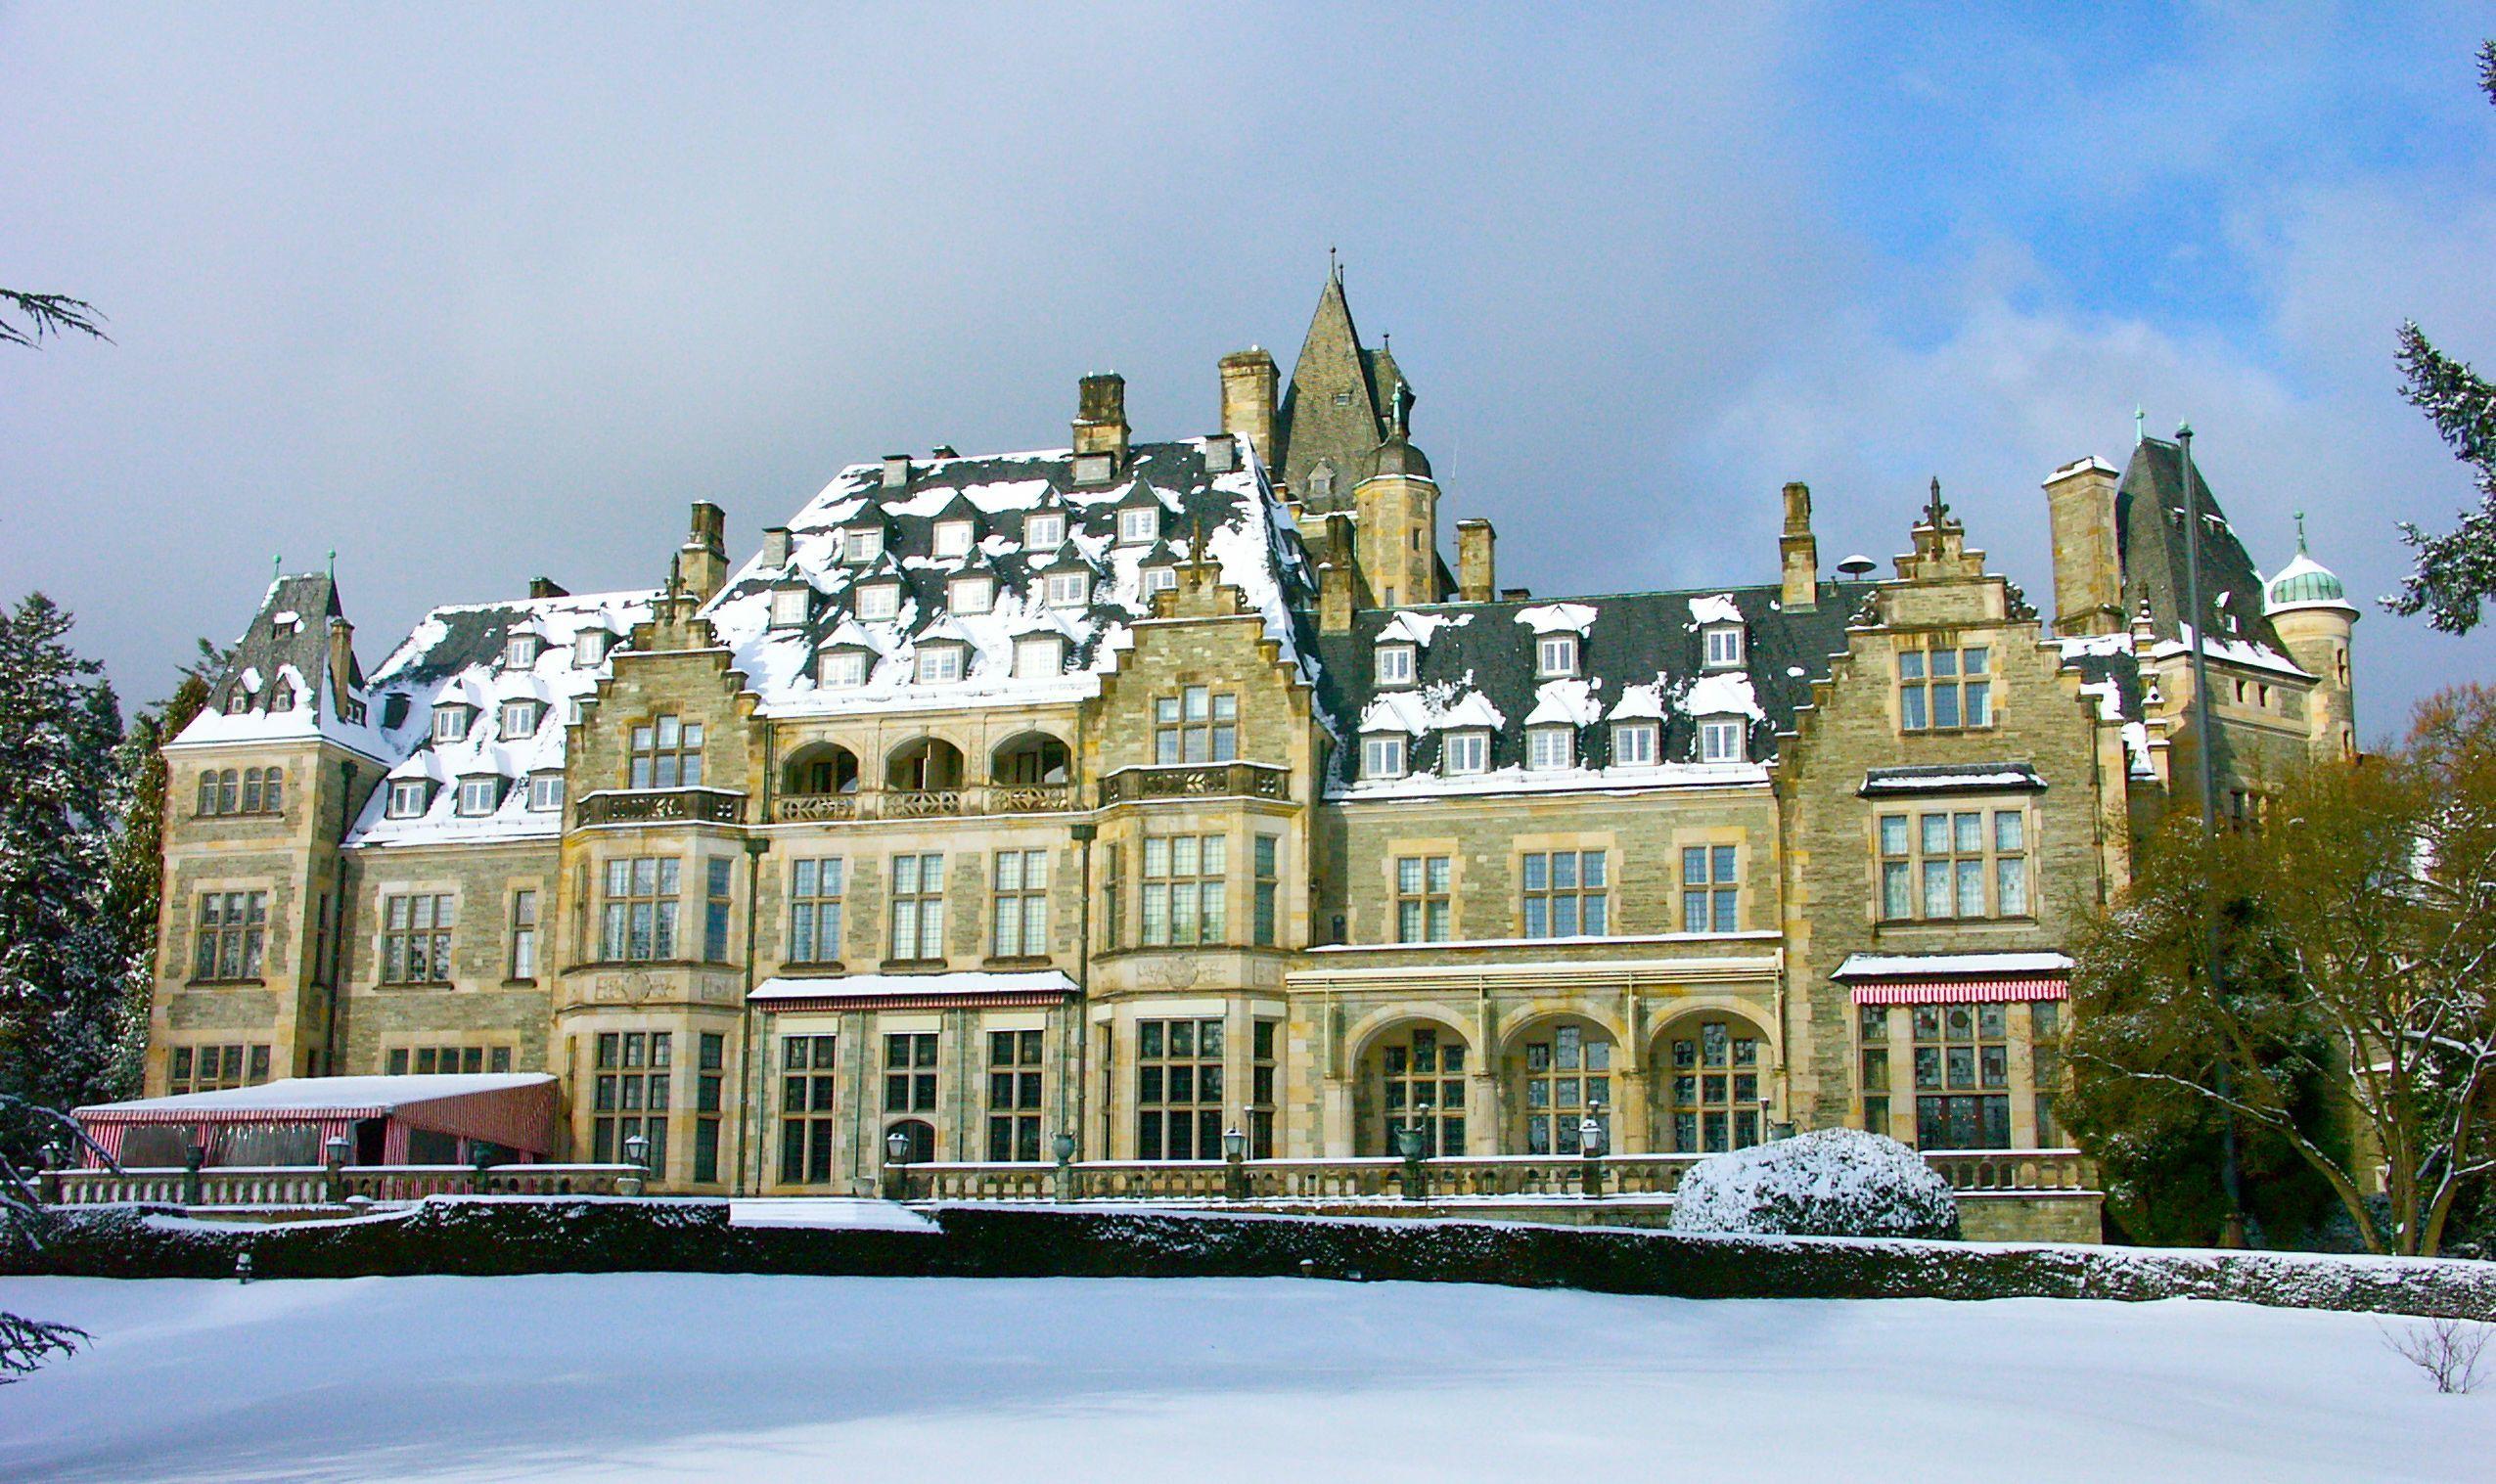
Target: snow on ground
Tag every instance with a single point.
(722, 1377)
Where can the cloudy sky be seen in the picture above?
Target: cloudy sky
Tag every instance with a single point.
(470, 295)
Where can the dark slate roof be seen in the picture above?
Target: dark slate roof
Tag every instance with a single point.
(266, 648)
(1634, 639)
(1311, 426)
(2148, 523)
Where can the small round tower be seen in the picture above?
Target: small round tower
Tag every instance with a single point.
(2310, 609)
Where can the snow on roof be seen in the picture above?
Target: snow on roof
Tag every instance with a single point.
(1558, 617)
(308, 1095)
(1950, 777)
(961, 982)
(1874, 965)
(1572, 702)
(1410, 627)
(1437, 707)
(1643, 703)
(1717, 608)
(2250, 653)
(1727, 693)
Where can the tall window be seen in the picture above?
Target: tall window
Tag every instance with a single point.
(1969, 863)
(910, 1072)
(1264, 1037)
(1567, 1079)
(1872, 1030)
(1020, 910)
(1013, 1094)
(814, 911)
(1269, 887)
(1178, 1089)
(206, 1068)
(2045, 1051)
(1963, 1077)
(806, 1122)
(232, 926)
(1186, 892)
(263, 791)
(709, 1073)
(1566, 894)
(1424, 907)
(1196, 726)
(717, 896)
(1711, 888)
(666, 754)
(1422, 1079)
(641, 909)
(1715, 1090)
(629, 1095)
(523, 964)
(415, 939)
(1944, 689)
(918, 907)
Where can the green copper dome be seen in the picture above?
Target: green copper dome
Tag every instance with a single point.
(2304, 581)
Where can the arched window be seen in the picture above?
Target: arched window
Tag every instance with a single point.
(921, 1136)
(1417, 1075)
(824, 769)
(207, 791)
(273, 790)
(1715, 1068)
(227, 799)
(1560, 1078)
(1030, 757)
(929, 764)
(251, 791)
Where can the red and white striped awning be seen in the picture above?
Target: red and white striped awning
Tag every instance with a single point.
(1964, 991)
(1956, 978)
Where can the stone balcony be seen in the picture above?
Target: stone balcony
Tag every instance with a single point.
(926, 803)
(659, 806)
(1190, 781)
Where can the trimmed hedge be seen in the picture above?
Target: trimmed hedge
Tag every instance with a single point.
(491, 1236)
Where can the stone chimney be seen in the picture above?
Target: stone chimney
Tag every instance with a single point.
(1249, 384)
(703, 563)
(1333, 598)
(2088, 579)
(547, 587)
(1799, 552)
(341, 662)
(775, 546)
(1100, 419)
(1476, 578)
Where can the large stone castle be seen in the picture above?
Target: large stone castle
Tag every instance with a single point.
(1150, 792)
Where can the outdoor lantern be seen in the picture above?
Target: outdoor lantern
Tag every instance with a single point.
(336, 1148)
(637, 1150)
(896, 1146)
(1590, 1133)
(1065, 1143)
(1234, 1144)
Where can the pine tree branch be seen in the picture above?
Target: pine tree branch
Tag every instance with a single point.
(52, 314)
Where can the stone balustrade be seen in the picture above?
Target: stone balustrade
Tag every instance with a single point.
(926, 803)
(1196, 780)
(660, 806)
(314, 1185)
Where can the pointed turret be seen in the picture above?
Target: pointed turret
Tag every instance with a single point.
(1338, 409)
(2308, 605)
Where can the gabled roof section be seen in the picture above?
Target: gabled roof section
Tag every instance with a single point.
(1641, 657)
(278, 686)
(1246, 531)
(2149, 524)
(1335, 410)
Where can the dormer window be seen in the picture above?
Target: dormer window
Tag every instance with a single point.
(1395, 665)
(407, 798)
(842, 669)
(479, 796)
(1724, 645)
(519, 651)
(1635, 744)
(1322, 483)
(879, 601)
(1044, 533)
(940, 664)
(1095, 469)
(1039, 656)
(952, 538)
(1383, 755)
(283, 698)
(520, 719)
(1070, 590)
(972, 594)
(1161, 579)
(1462, 752)
(1724, 740)
(589, 647)
(861, 545)
(545, 793)
(1140, 527)
(450, 722)
(1555, 655)
(238, 702)
(1549, 747)
(789, 606)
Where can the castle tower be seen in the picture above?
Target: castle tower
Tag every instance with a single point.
(1397, 510)
(1339, 410)
(2309, 608)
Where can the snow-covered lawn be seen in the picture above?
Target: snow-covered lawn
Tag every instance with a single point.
(743, 1377)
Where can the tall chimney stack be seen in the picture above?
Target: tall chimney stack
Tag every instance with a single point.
(703, 563)
(1100, 419)
(1476, 576)
(1799, 552)
(2088, 578)
(1249, 386)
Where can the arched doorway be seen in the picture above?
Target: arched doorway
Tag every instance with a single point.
(1715, 1074)
(927, 765)
(822, 768)
(1027, 759)
(1557, 1074)
(1415, 1074)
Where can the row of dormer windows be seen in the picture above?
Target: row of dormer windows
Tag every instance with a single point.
(793, 604)
(477, 796)
(1042, 531)
(1553, 748)
(1036, 657)
(1555, 655)
(520, 719)
(590, 647)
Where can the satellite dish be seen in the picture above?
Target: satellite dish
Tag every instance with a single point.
(1857, 568)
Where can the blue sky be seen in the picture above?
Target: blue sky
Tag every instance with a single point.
(472, 293)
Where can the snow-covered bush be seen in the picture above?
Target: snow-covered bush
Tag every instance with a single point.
(1827, 1182)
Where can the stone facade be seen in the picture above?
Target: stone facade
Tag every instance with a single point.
(1180, 826)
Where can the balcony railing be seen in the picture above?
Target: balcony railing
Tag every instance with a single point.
(660, 806)
(1197, 781)
(314, 1185)
(924, 803)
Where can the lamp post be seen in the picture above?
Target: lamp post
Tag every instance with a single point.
(896, 1165)
(1590, 1152)
(1234, 1182)
(192, 1158)
(636, 1154)
(333, 1167)
(1063, 1143)
(55, 1154)
(1409, 1142)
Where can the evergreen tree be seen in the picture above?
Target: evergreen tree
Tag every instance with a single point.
(2453, 572)
(59, 978)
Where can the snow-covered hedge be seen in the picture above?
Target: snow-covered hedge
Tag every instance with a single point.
(1827, 1182)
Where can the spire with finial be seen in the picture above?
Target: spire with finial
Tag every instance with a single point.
(2140, 425)
(334, 564)
(1934, 512)
(277, 565)
(2300, 533)
(1333, 264)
